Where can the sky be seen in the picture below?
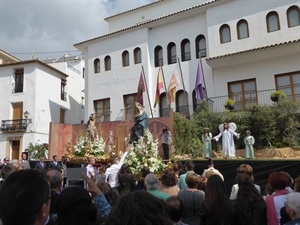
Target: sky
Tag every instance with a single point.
(50, 28)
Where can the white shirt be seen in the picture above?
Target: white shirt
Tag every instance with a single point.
(235, 189)
(90, 169)
(111, 173)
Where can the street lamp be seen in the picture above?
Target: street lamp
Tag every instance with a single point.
(26, 115)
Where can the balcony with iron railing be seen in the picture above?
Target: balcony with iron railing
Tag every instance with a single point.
(17, 87)
(19, 125)
(63, 96)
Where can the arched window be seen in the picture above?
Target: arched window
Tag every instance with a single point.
(242, 29)
(272, 21)
(200, 44)
(164, 110)
(137, 55)
(125, 58)
(172, 56)
(181, 104)
(225, 35)
(293, 16)
(97, 65)
(107, 63)
(185, 50)
(158, 56)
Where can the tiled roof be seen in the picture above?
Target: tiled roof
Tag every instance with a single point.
(143, 6)
(254, 49)
(34, 61)
(150, 21)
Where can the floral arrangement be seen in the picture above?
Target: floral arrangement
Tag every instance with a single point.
(85, 146)
(145, 153)
(229, 104)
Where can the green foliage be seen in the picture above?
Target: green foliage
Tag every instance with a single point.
(272, 126)
(36, 151)
(229, 104)
(186, 139)
(278, 95)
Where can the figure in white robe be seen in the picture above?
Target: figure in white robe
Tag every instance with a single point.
(227, 131)
(206, 139)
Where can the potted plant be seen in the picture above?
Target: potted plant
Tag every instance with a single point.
(229, 104)
(276, 95)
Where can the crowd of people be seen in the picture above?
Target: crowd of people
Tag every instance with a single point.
(115, 196)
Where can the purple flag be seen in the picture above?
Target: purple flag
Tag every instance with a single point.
(199, 83)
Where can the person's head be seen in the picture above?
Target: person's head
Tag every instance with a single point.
(24, 156)
(64, 159)
(91, 160)
(292, 205)
(6, 160)
(189, 165)
(75, 207)
(55, 179)
(139, 207)
(15, 163)
(124, 169)
(202, 183)
(192, 180)
(248, 132)
(145, 171)
(297, 184)
(42, 159)
(165, 129)
(210, 162)
(151, 181)
(25, 193)
(215, 186)
(289, 179)
(247, 169)
(108, 192)
(205, 130)
(278, 180)
(7, 170)
(169, 178)
(225, 125)
(114, 160)
(54, 157)
(175, 206)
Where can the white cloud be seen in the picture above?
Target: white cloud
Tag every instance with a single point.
(31, 26)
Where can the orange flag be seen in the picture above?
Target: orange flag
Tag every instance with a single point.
(172, 88)
(159, 86)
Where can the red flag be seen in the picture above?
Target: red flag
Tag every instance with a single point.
(141, 90)
(172, 88)
(159, 86)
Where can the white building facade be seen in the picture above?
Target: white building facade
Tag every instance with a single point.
(247, 50)
(47, 94)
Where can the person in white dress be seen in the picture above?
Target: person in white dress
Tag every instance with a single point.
(227, 131)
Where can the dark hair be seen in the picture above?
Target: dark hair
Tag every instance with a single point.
(22, 195)
(145, 171)
(210, 162)
(278, 180)
(248, 201)
(75, 207)
(7, 170)
(126, 178)
(108, 192)
(169, 178)
(189, 165)
(139, 207)
(216, 201)
(175, 206)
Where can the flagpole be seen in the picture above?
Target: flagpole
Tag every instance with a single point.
(185, 94)
(203, 78)
(163, 75)
(147, 91)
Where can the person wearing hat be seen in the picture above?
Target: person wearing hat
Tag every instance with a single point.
(206, 139)
(151, 182)
(211, 170)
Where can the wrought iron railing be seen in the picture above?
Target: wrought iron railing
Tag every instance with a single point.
(14, 125)
(17, 87)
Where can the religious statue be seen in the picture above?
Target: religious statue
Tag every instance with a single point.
(91, 129)
(141, 123)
